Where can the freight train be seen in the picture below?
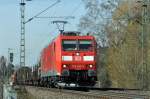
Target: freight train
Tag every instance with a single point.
(69, 60)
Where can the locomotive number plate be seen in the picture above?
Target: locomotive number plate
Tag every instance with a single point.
(78, 67)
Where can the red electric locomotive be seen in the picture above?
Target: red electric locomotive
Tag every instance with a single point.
(69, 60)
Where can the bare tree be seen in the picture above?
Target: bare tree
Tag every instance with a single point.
(117, 26)
(128, 46)
(97, 17)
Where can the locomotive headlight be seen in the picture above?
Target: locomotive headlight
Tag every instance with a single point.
(64, 66)
(88, 58)
(90, 66)
(67, 58)
(77, 54)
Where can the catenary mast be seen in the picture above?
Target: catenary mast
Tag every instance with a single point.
(22, 37)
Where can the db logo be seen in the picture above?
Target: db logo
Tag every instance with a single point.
(77, 58)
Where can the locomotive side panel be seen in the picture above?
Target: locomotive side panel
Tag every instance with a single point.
(44, 62)
(58, 62)
(51, 66)
(51, 59)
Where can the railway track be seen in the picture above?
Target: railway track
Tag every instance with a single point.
(120, 95)
(97, 94)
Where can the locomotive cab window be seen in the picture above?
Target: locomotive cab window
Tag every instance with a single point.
(69, 45)
(85, 45)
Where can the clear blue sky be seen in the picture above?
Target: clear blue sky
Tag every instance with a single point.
(39, 32)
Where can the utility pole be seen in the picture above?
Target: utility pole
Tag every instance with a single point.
(22, 38)
(22, 32)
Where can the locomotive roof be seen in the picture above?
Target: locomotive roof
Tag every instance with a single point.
(71, 33)
(68, 35)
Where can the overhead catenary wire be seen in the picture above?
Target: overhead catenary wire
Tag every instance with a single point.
(66, 17)
(46, 17)
(76, 8)
(41, 12)
(70, 16)
(30, 19)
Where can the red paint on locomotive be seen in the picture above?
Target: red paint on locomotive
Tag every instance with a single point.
(69, 53)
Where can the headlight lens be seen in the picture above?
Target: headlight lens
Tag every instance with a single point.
(67, 58)
(88, 58)
(90, 66)
(64, 66)
(77, 54)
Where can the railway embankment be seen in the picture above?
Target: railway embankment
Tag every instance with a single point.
(45, 93)
(50, 93)
(22, 93)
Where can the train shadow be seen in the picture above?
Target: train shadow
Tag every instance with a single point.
(85, 89)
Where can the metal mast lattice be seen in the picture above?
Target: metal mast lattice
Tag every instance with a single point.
(22, 38)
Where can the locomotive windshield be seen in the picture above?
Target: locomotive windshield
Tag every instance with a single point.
(83, 45)
(69, 45)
